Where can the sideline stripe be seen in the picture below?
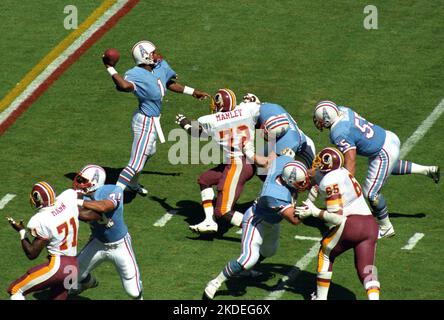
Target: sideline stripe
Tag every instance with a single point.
(165, 218)
(413, 241)
(4, 201)
(72, 53)
(50, 57)
(422, 130)
(294, 273)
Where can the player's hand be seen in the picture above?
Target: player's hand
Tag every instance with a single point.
(302, 212)
(201, 95)
(179, 119)
(315, 211)
(107, 63)
(250, 97)
(16, 226)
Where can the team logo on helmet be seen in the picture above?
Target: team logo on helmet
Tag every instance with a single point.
(89, 179)
(224, 100)
(328, 159)
(325, 114)
(42, 195)
(295, 175)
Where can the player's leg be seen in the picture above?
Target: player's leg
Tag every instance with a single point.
(89, 258)
(365, 251)
(125, 262)
(36, 279)
(380, 168)
(403, 167)
(270, 235)
(206, 182)
(331, 247)
(251, 243)
(144, 137)
(230, 187)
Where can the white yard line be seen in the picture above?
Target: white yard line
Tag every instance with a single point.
(4, 201)
(413, 241)
(307, 238)
(165, 218)
(294, 273)
(422, 130)
(239, 231)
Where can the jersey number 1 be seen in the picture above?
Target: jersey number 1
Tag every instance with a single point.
(64, 228)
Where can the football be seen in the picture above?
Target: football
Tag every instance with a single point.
(111, 56)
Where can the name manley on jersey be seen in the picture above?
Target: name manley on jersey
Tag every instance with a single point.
(232, 130)
(59, 224)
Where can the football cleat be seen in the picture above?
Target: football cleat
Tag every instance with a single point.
(386, 232)
(211, 289)
(434, 173)
(140, 190)
(205, 227)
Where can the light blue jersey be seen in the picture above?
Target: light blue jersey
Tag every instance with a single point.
(118, 230)
(150, 87)
(274, 196)
(294, 138)
(354, 132)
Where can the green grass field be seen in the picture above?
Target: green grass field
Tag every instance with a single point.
(289, 52)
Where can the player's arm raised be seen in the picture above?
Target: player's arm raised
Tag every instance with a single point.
(121, 84)
(32, 249)
(87, 215)
(193, 128)
(180, 88)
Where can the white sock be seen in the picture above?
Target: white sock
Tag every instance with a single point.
(323, 286)
(207, 196)
(384, 222)
(373, 289)
(17, 296)
(419, 169)
(236, 220)
(221, 278)
(119, 184)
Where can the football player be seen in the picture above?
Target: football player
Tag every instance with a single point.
(353, 225)
(353, 135)
(232, 127)
(55, 226)
(282, 132)
(261, 224)
(148, 80)
(109, 239)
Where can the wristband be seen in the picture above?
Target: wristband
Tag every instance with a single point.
(187, 126)
(22, 234)
(188, 90)
(80, 202)
(111, 71)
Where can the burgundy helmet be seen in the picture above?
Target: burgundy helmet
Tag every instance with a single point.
(224, 100)
(42, 195)
(328, 159)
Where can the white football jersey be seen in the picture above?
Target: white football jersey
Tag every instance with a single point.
(340, 190)
(59, 224)
(232, 130)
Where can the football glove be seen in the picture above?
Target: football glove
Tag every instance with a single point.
(308, 209)
(288, 152)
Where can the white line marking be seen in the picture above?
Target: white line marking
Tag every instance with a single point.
(239, 231)
(165, 218)
(413, 241)
(294, 273)
(307, 238)
(61, 58)
(422, 130)
(6, 199)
